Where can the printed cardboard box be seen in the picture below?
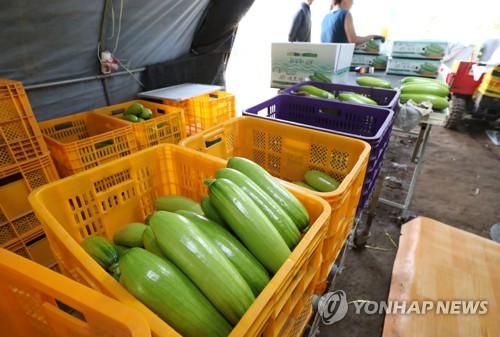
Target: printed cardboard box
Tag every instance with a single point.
(419, 49)
(375, 61)
(292, 63)
(413, 67)
(370, 47)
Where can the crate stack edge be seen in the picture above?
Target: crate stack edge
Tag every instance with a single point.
(25, 164)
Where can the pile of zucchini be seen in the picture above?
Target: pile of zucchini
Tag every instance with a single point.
(200, 266)
(420, 89)
(365, 81)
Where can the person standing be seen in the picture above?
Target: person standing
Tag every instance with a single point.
(338, 26)
(301, 23)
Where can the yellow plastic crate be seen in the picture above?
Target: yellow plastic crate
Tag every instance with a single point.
(166, 126)
(39, 302)
(204, 111)
(287, 152)
(20, 136)
(101, 200)
(85, 140)
(17, 220)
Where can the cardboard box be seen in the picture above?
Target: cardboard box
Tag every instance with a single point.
(370, 47)
(419, 49)
(413, 67)
(376, 61)
(292, 63)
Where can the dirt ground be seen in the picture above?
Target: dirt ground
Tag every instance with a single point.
(459, 185)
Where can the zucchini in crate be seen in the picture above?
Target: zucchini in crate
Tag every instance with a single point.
(130, 235)
(249, 267)
(248, 222)
(202, 261)
(173, 203)
(292, 206)
(103, 251)
(211, 212)
(274, 212)
(321, 181)
(170, 294)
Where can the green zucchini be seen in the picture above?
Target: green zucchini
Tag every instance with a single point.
(211, 212)
(416, 79)
(248, 266)
(437, 102)
(321, 181)
(103, 251)
(150, 243)
(367, 81)
(202, 261)
(305, 185)
(425, 88)
(173, 203)
(292, 206)
(170, 294)
(356, 98)
(121, 249)
(322, 77)
(249, 223)
(311, 90)
(130, 235)
(273, 211)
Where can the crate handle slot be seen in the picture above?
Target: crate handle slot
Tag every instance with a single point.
(330, 111)
(65, 314)
(210, 143)
(63, 126)
(10, 179)
(117, 112)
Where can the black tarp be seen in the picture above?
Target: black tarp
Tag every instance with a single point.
(166, 42)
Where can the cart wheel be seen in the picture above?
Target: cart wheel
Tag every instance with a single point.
(458, 106)
(359, 240)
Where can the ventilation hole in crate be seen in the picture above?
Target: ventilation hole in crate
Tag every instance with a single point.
(259, 139)
(275, 143)
(318, 155)
(23, 252)
(26, 223)
(14, 131)
(6, 233)
(339, 160)
(259, 157)
(274, 165)
(5, 157)
(36, 179)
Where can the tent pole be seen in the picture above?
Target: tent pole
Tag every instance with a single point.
(82, 79)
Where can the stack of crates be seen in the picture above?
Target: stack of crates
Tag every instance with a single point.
(369, 123)
(287, 151)
(100, 201)
(25, 164)
(204, 111)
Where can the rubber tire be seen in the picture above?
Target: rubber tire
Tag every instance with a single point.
(457, 111)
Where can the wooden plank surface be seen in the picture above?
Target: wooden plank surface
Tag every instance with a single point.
(438, 263)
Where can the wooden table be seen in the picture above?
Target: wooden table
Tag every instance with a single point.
(437, 262)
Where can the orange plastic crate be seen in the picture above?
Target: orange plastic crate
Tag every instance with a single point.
(166, 126)
(85, 140)
(287, 152)
(204, 111)
(39, 302)
(36, 247)
(17, 219)
(101, 200)
(20, 136)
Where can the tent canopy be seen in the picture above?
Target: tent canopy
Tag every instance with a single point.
(54, 48)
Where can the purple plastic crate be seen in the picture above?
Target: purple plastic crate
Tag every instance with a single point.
(385, 98)
(371, 124)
